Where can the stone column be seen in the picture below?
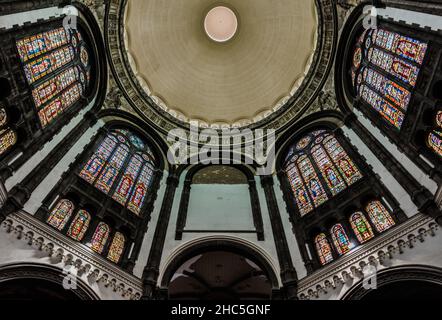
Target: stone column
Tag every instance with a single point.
(289, 277)
(151, 271)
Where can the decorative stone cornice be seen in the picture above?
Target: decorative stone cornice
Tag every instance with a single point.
(279, 119)
(64, 251)
(349, 268)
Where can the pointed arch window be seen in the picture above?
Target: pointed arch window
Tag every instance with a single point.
(340, 239)
(318, 168)
(3, 117)
(56, 65)
(361, 227)
(61, 214)
(379, 216)
(100, 237)
(323, 249)
(8, 138)
(123, 167)
(435, 137)
(79, 225)
(116, 248)
(385, 70)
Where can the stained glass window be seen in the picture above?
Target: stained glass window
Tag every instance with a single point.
(116, 248)
(345, 165)
(99, 239)
(361, 227)
(79, 225)
(31, 47)
(386, 65)
(127, 182)
(439, 119)
(123, 167)
(401, 69)
(388, 88)
(332, 177)
(47, 64)
(435, 142)
(112, 169)
(52, 87)
(379, 216)
(340, 239)
(61, 214)
(3, 117)
(318, 168)
(94, 166)
(323, 249)
(141, 188)
(404, 47)
(7, 139)
(60, 104)
(56, 64)
(389, 112)
(300, 192)
(435, 137)
(314, 186)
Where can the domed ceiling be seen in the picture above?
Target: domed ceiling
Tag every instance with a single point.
(264, 51)
(231, 63)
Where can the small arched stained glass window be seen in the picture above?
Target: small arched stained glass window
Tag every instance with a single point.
(439, 119)
(100, 237)
(435, 137)
(340, 239)
(8, 138)
(116, 248)
(323, 249)
(435, 142)
(3, 117)
(61, 214)
(79, 225)
(361, 227)
(379, 216)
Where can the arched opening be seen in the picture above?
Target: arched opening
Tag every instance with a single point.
(41, 282)
(406, 290)
(416, 282)
(34, 289)
(219, 270)
(219, 275)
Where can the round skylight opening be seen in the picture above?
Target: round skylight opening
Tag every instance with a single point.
(221, 24)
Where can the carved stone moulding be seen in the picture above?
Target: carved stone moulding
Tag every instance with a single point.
(349, 270)
(91, 268)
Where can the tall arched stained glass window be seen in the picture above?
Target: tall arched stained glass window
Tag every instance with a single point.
(79, 225)
(379, 216)
(386, 66)
(116, 248)
(123, 167)
(8, 138)
(318, 168)
(100, 237)
(435, 137)
(340, 239)
(56, 67)
(61, 214)
(323, 249)
(361, 227)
